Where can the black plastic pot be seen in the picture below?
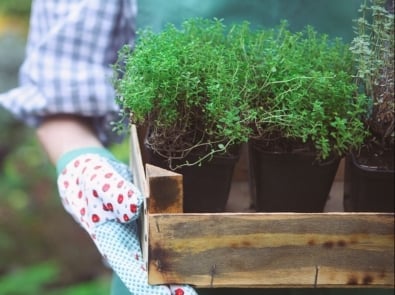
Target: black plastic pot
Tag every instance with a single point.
(206, 187)
(367, 188)
(290, 182)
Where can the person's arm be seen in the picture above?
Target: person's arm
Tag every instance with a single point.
(63, 133)
(66, 71)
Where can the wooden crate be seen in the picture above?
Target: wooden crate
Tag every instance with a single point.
(258, 249)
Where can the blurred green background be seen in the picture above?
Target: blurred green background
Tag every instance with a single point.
(42, 250)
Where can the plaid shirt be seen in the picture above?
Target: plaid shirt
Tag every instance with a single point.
(70, 48)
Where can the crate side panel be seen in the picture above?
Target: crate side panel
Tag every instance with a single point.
(272, 250)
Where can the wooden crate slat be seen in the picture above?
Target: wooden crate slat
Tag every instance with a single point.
(136, 162)
(165, 190)
(257, 249)
(272, 249)
(140, 180)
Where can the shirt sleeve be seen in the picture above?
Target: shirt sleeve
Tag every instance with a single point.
(67, 69)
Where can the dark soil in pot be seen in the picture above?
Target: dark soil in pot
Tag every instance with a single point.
(369, 181)
(291, 182)
(206, 187)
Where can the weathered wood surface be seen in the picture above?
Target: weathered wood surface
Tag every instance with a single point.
(272, 249)
(165, 193)
(136, 162)
(140, 180)
(257, 249)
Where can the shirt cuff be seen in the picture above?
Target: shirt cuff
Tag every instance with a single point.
(69, 156)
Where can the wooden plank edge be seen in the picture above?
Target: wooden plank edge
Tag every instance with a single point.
(375, 234)
(165, 190)
(139, 179)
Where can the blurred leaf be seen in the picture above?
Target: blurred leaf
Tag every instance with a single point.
(18, 200)
(100, 286)
(18, 8)
(29, 280)
(40, 279)
(5, 241)
(121, 150)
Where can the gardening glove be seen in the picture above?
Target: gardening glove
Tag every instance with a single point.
(96, 190)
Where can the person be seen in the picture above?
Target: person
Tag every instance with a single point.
(65, 93)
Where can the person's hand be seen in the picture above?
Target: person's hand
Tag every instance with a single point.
(97, 191)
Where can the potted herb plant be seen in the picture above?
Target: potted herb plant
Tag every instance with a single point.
(369, 171)
(189, 86)
(307, 116)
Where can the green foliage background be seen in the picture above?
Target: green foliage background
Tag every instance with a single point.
(42, 250)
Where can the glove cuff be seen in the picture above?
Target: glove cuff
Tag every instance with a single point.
(71, 155)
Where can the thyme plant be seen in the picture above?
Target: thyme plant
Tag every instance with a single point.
(190, 86)
(373, 51)
(307, 100)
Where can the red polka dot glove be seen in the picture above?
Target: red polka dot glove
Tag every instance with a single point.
(97, 191)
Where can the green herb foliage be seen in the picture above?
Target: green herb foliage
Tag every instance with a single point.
(207, 87)
(308, 100)
(373, 51)
(190, 85)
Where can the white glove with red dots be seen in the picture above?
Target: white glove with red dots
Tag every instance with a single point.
(97, 191)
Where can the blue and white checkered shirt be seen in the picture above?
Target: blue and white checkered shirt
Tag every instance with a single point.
(67, 69)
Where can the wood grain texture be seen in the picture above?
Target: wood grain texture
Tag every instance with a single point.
(257, 249)
(161, 189)
(136, 162)
(140, 180)
(272, 249)
(165, 190)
